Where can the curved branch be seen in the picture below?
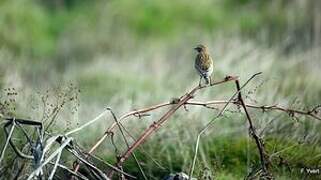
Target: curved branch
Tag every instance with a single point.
(156, 125)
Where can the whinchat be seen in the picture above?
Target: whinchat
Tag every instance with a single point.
(203, 64)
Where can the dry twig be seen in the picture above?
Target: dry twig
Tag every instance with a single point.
(252, 132)
(156, 125)
(208, 125)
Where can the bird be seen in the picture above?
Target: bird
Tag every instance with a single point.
(203, 64)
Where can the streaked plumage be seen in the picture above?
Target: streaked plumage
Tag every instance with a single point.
(203, 64)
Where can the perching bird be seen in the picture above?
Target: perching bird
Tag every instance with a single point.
(203, 64)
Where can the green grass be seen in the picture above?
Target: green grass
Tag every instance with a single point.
(227, 157)
(35, 28)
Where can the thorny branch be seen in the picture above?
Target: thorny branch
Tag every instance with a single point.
(208, 125)
(141, 112)
(156, 125)
(207, 104)
(126, 142)
(313, 113)
(252, 132)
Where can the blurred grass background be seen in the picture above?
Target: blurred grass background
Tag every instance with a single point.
(131, 54)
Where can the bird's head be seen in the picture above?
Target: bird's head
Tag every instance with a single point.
(201, 48)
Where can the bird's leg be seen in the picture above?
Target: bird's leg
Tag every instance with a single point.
(199, 84)
(210, 77)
